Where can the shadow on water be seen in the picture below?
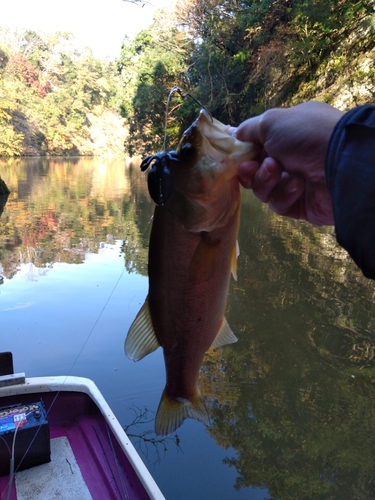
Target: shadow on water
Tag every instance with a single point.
(3, 201)
(292, 402)
(4, 194)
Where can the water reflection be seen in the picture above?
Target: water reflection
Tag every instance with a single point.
(293, 401)
(60, 210)
(3, 200)
(298, 399)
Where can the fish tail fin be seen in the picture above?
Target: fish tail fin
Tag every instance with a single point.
(172, 412)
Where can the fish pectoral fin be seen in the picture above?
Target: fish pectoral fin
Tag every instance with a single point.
(141, 338)
(204, 260)
(172, 412)
(235, 254)
(224, 337)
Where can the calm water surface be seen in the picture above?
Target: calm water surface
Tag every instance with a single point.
(292, 403)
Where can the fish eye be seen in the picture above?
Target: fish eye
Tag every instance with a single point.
(187, 151)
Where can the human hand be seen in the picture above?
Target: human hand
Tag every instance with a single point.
(289, 172)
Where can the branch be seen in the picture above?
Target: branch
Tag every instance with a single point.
(142, 3)
(143, 439)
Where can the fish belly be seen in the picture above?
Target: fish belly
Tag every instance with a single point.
(188, 284)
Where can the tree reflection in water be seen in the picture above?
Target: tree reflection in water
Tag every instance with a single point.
(293, 400)
(297, 398)
(58, 210)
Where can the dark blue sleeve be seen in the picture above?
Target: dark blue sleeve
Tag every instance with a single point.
(350, 172)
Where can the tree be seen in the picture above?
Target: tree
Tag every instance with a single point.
(48, 89)
(150, 66)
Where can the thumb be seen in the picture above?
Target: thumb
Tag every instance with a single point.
(232, 130)
(250, 130)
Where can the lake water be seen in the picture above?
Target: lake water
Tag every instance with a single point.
(292, 403)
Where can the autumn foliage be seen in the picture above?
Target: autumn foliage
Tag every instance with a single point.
(21, 68)
(53, 97)
(241, 58)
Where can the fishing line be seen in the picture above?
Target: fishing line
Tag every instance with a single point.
(183, 94)
(58, 393)
(11, 463)
(96, 322)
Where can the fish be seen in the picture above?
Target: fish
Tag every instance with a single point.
(193, 251)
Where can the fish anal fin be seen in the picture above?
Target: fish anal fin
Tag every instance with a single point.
(204, 260)
(172, 412)
(141, 339)
(224, 337)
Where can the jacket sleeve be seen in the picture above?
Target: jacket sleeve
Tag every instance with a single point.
(350, 173)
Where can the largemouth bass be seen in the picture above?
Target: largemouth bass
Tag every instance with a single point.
(193, 250)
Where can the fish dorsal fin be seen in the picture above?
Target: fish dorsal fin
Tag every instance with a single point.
(235, 254)
(224, 337)
(141, 339)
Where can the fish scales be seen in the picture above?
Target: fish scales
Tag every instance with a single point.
(192, 303)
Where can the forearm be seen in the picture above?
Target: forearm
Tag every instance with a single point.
(350, 172)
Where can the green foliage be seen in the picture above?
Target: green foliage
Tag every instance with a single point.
(150, 66)
(47, 90)
(237, 58)
(3, 59)
(10, 140)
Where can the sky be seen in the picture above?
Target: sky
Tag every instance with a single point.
(98, 24)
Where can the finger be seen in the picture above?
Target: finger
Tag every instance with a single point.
(250, 131)
(285, 198)
(246, 172)
(266, 178)
(318, 204)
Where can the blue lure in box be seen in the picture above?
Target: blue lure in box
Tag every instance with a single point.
(28, 425)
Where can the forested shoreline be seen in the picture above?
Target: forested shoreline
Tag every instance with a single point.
(240, 58)
(237, 58)
(292, 402)
(56, 99)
